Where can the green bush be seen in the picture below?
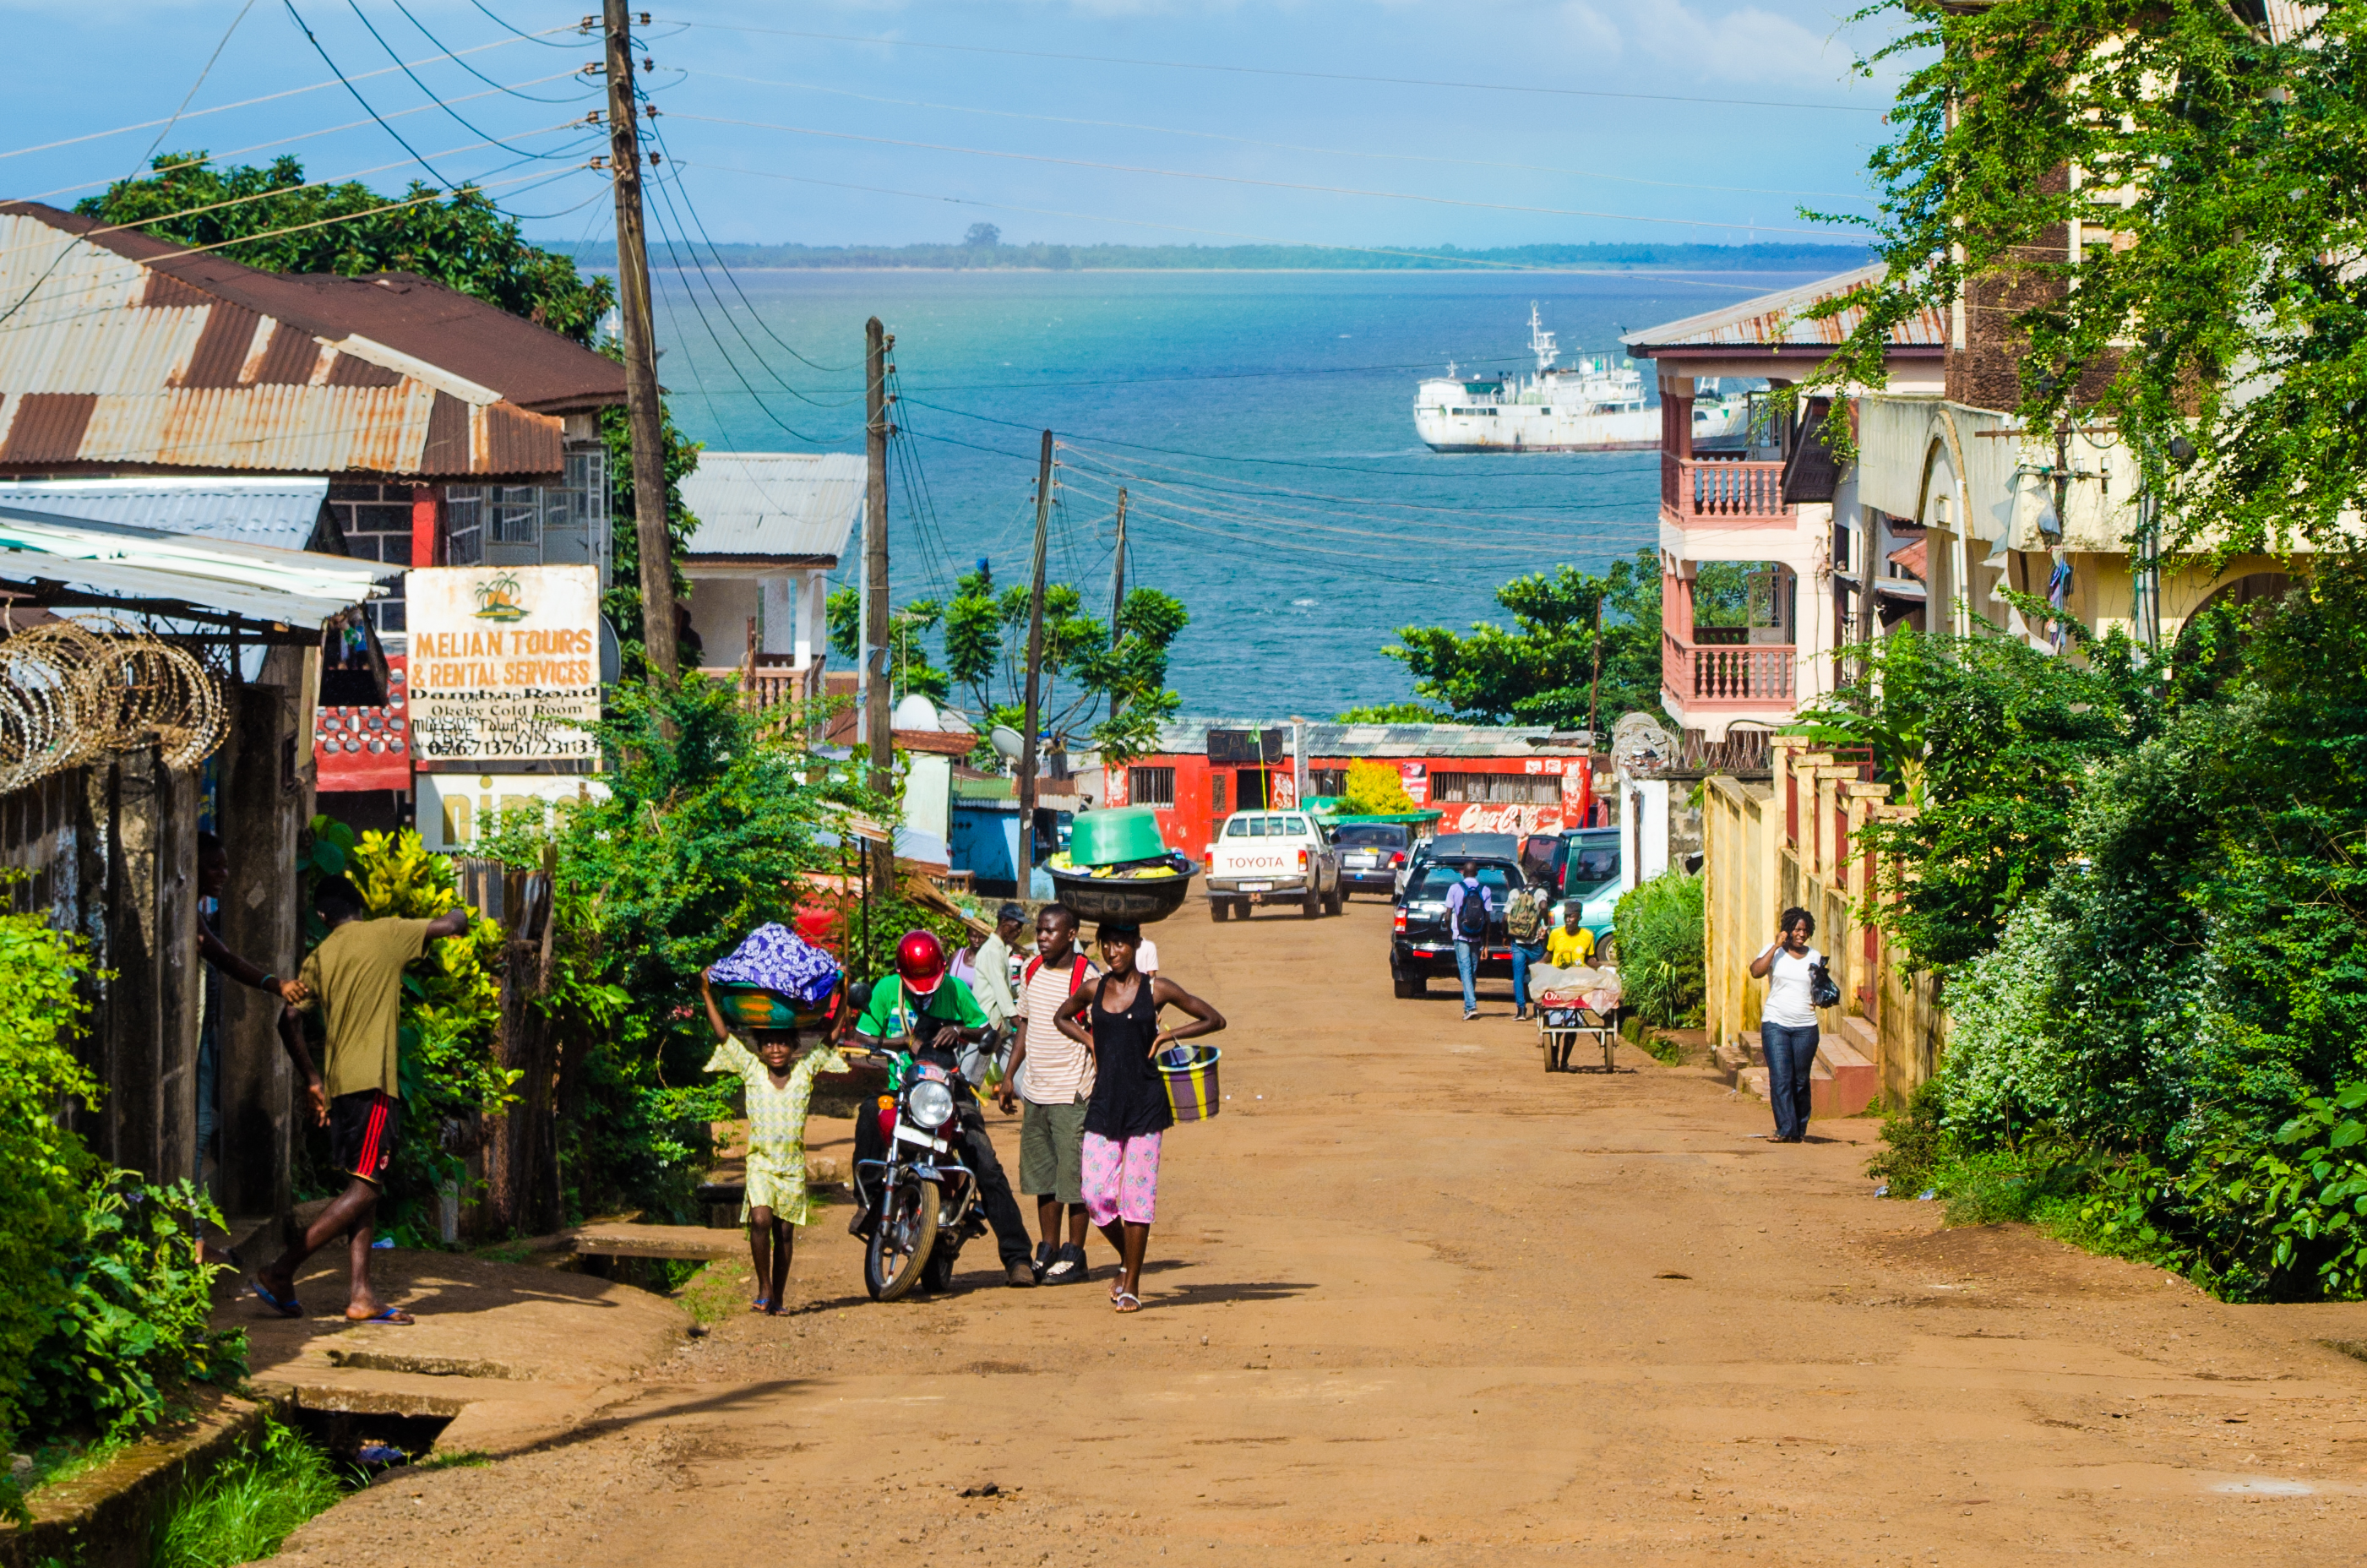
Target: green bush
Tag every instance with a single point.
(42, 1166)
(127, 1326)
(243, 1511)
(1658, 927)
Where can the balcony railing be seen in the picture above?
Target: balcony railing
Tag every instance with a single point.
(1758, 675)
(1722, 490)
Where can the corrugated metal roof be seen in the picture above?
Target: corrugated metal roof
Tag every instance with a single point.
(288, 587)
(1773, 321)
(125, 352)
(774, 504)
(1187, 736)
(281, 512)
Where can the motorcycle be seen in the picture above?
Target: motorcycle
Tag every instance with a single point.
(925, 1200)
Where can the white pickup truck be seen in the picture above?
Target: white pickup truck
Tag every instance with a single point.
(1272, 856)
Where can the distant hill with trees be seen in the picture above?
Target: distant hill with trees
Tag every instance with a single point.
(984, 248)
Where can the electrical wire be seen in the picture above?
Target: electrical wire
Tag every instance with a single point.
(1246, 179)
(1217, 484)
(530, 37)
(244, 103)
(1457, 264)
(1276, 71)
(295, 16)
(1145, 490)
(409, 17)
(363, 16)
(206, 71)
(1284, 146)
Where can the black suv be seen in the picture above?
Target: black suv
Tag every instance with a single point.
(1421, 946)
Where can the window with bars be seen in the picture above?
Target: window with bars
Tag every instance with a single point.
(1498, 788)
(516, 514)
(1150, 785)
(1327, 780)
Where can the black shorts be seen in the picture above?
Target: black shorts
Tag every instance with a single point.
(362, 1129)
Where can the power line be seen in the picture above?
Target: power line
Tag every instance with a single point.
(1283, 146)
(1246, 179)
(1457, 262)
(1275, 71)
(356, 92)
(248, 103)
(409, 17)
(1398, 532)
(363, 16)
(530, 37)
(207, 70)
(1215, 483)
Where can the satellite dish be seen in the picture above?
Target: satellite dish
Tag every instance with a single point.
(1008, 742)
(915, 713)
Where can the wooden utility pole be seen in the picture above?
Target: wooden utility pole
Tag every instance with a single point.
(877, 687)
(1035, 670)
(1117, 586)
(644, 416)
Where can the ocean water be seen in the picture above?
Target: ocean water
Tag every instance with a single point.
(1261, 424)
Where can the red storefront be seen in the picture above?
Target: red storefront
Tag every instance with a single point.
(1482, 778)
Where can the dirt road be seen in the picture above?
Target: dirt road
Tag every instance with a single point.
(1414, 1299)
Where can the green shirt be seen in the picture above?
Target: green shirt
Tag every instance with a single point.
(893, 1007)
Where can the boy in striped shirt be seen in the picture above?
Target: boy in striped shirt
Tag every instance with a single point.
(1058, 1081)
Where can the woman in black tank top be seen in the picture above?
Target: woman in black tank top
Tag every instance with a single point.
(1128, 1110)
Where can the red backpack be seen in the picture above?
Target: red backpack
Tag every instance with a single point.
(1076, 976)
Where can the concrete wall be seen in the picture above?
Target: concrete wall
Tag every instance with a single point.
(1767, 848)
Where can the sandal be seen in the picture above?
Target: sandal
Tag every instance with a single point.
(1128, 1301)
(285, 1306)
(762, 1305)
(384, 1314)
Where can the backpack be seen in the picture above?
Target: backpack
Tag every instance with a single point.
(1076, 975)
(1524, 917)
(1471, 915)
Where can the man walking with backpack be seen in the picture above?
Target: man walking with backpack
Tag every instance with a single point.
(1468, 912)
(1058, 1083)
(1524, 927)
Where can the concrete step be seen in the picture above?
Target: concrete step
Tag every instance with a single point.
(1752, 1081)
(1847, 1080)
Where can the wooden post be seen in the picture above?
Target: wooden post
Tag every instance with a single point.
(1117, 584)
(521, 1148)
(643, 413)
(876, 691)
(1034, 668)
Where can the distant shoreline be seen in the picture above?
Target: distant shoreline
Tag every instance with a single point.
(1508, 260)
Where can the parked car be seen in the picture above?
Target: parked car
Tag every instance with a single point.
(1421, 946)
(1281, 856)
(1452, 848)
(1590, 875)
(1371, 856)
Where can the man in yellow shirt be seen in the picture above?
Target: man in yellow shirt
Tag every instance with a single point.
(355, 978)
(1569, 945)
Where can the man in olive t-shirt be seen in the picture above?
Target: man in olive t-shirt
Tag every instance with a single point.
(356, 980)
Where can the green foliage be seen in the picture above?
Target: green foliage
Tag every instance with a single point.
(1994, 741)
(1914, 1142)
(1393, 713)
(130, 1323)
(269, 218)
(1374, 789)
(1542, 671)
(246, 1507)
(712, 826)
(1662, 974)
(2214, 300)
(44, 1167)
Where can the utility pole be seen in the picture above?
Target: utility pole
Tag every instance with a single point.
(644, 416)
(1035, 670)
(875, 686)
(1117, 586)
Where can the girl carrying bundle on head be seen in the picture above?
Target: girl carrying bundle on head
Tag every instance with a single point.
(777, 1067)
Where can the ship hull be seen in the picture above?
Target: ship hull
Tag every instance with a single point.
(1516, 427)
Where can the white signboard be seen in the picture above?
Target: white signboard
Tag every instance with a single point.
(456, 810)
(504, 662)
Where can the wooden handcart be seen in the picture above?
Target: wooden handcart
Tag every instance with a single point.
(1563, 1028)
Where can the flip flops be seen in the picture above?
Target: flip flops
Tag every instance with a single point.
(1128, 1301)
(762, 1305)
(286, 1307)
(384, 1314)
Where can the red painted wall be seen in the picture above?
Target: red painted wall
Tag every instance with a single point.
(1188, 824)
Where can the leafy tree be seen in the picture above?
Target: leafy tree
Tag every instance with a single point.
(267, 217)
(1541, 671)
(982, 236)
(2212, 307)
(1393, 713)
(1372, 790)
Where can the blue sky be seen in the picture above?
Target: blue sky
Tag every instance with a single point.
(1239, 148)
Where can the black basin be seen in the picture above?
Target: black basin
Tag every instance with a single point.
(1139, 900)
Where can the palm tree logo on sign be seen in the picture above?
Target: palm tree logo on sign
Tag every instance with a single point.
(497, 598)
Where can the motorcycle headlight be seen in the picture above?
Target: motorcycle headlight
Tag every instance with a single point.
(931, 1103)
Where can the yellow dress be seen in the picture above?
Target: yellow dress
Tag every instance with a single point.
(776, 1127)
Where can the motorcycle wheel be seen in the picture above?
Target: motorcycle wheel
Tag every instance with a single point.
(903, 1239)
(938, 1277)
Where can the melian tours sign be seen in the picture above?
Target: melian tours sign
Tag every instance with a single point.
(504, 662)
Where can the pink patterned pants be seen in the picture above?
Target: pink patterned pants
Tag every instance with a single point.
(1121, 1177)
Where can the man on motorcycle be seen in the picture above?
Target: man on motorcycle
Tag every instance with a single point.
(931, 1013)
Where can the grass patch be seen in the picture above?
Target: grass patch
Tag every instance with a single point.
(717, 1291)
(67, 1457)
(244, 1510)
(504, 1252)
(464, 1459)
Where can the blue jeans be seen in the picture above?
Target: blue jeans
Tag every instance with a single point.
(1791, 1058)
(1466, 964)
(1521, 958)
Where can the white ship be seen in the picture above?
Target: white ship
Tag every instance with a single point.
(1593, 405)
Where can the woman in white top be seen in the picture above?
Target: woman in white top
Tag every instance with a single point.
(1787, 1021)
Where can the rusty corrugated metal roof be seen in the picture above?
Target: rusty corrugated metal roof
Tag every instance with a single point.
(125, 353)
(1774, 321)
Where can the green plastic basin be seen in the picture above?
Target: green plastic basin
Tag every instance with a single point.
(1115, 836)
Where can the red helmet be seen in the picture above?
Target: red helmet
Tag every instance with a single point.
(920, 960)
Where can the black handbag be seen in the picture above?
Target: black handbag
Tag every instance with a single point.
(1822, 992)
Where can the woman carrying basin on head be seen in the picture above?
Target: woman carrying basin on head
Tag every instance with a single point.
(1128, 1110)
